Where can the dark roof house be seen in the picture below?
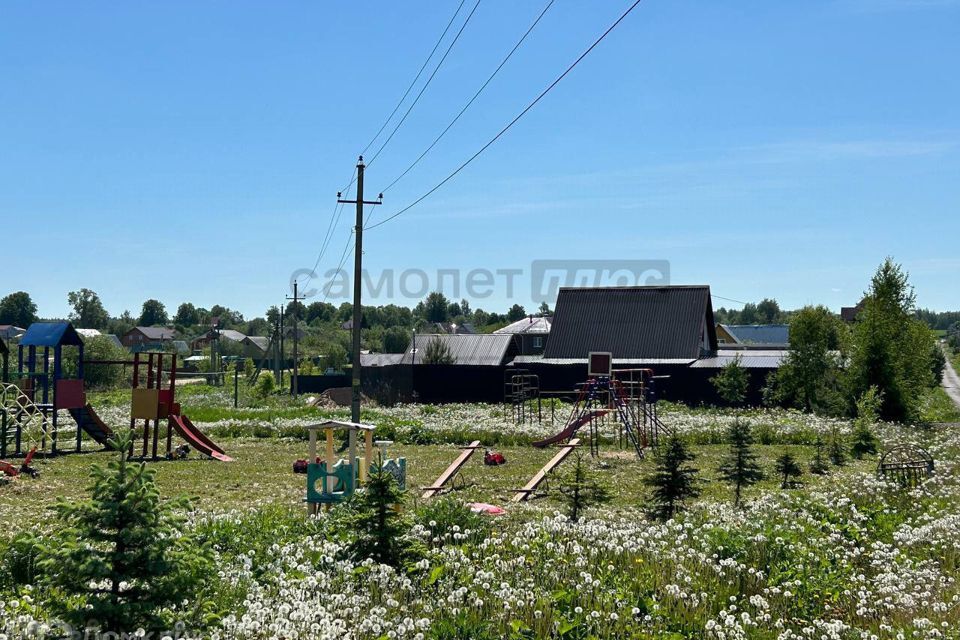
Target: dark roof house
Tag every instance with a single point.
(141, 337)
(636, 324)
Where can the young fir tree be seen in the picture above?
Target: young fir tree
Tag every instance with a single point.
(740, 467)
(837, 449)
(379, 528)
(673, 480)
(787, 468)
(868, 408)
(119, 560)
(819, 465)
(581, 488)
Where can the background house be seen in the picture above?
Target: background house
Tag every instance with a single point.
(147, 338)
(530, 334)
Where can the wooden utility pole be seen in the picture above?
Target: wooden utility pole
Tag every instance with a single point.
(357, 281)
(293, 383)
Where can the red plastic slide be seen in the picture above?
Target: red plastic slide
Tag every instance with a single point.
(570, 429)
(196, 438)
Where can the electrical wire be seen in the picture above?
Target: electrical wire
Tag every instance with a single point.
(426, 84)
(728, 299)
(417, 77)
(347, 249)
(512, 122)
(473, 99)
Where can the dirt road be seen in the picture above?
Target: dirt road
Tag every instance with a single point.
(951, 383)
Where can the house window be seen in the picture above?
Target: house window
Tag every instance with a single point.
(538, 342)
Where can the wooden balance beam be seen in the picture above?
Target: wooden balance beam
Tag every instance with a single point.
(437, 486)
(527, 491)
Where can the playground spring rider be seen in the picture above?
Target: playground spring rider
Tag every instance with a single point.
(331, 481)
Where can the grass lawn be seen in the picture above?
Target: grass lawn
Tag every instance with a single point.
(262, 475)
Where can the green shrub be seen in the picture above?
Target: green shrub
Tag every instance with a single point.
(446, 515)
(266, 385)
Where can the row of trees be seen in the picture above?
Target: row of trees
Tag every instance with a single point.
(767, 311)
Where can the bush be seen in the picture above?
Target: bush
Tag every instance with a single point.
(266, 385)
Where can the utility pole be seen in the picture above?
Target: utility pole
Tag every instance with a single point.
(357, 281)
(293, 383)
(283, 352)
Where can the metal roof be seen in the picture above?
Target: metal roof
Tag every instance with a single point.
(528, 325)
(778, 334)
(155, 333)
(534, 359)
(260, 342)
(477, 349)
(642, 323)
(50, 334)
(89, 333)
(753, 359)
(380, 359)
(10, 331)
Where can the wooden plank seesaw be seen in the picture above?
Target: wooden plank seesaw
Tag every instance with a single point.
(437, 486)
(530, 487)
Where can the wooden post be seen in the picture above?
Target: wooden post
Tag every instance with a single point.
(367, 453)
(312, 450)
(331, 481)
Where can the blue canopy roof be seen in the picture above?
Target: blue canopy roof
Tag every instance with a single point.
(50, 334)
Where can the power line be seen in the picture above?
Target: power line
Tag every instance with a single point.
(728, 299)
(331, 228)
(347, 250)
(475, 96)
(425, 85)
(417, 77)
(512, 122)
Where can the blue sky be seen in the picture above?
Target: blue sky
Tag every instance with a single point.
(193, 151)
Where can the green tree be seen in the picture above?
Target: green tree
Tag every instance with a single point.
(187, 315)
(436, 307)
(335, 356)
(809, 376)
(544, 310)
(266, 385)
(379, 529)
(88, 310)
(673, 481)
(863, 441)
(153, 314)
(787, 468)
(18, 309)
(818, 465)
(837, 449)
(104, 376)
(768, 311)
(516, 312)
(740, 467)
(732, 382)
(581, 487)
(891, 347)
(396, 340)
(438, 352)
(122, 557)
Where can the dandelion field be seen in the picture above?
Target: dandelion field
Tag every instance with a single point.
(845, 555)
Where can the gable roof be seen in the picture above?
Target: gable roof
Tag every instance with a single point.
(538, 325)
(155, 333)
(778, 334)
(476, 349)
(10, 331)
(260, 342)
(50, 334)
(632, 322)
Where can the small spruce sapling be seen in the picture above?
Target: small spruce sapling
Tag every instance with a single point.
(673, 481)
(819, 465)
(868, 408)
(787, 469)
(837, 449)
(740, 467)
(120, 559)
(380, 531)
(581, 488)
